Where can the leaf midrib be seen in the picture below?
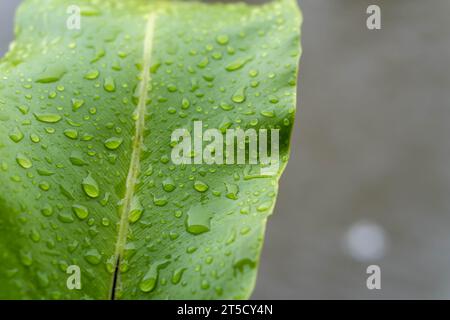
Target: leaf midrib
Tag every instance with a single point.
(137, 143)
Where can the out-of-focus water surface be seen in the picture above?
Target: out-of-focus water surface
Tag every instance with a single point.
(369, 177)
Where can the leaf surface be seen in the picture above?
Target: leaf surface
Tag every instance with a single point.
(87, 176)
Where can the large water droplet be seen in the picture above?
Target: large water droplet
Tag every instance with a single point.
(16, 135)
(198, 220)
(177, 275)
(239, 95)
(109, 84)
(90, 186)
(52, 73)
(24, 161)
(113, 143)
(47, 117)
(168, 185)
(135, 210)
(93, 256)
(77, 104)
(237, 64)
(200, 186)
(80, 211)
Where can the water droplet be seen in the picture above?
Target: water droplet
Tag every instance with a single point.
(65, 217)
(168, 185)
(47, 210)
(177, 275)
(26, 258)
(232, 191)
(80, 211)
(135, 210)
(35, 138)
(34, 235)
(159, 201)
(148, 282)
(52, 73)
(24, 161)
(239, 95)
(113, 143)
(237, 64)
(109, 84)
(93, 256)
(273, 99)
(44, 186)
(16, 135)
(264, 206)
(92, 75)
(198, 220)
(200, 186)
(71, 133)
(185, 103)
(77, 159)
(90, 186)
(47, 117)
(222, 39)
(253, 73)
(77, 104)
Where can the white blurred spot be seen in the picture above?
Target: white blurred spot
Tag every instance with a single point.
(365, 241)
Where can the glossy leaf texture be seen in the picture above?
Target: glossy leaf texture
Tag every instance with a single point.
(86, 119)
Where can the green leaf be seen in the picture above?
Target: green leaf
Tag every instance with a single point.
(87, 173)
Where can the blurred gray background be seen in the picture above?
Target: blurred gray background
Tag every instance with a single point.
(369, 177)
